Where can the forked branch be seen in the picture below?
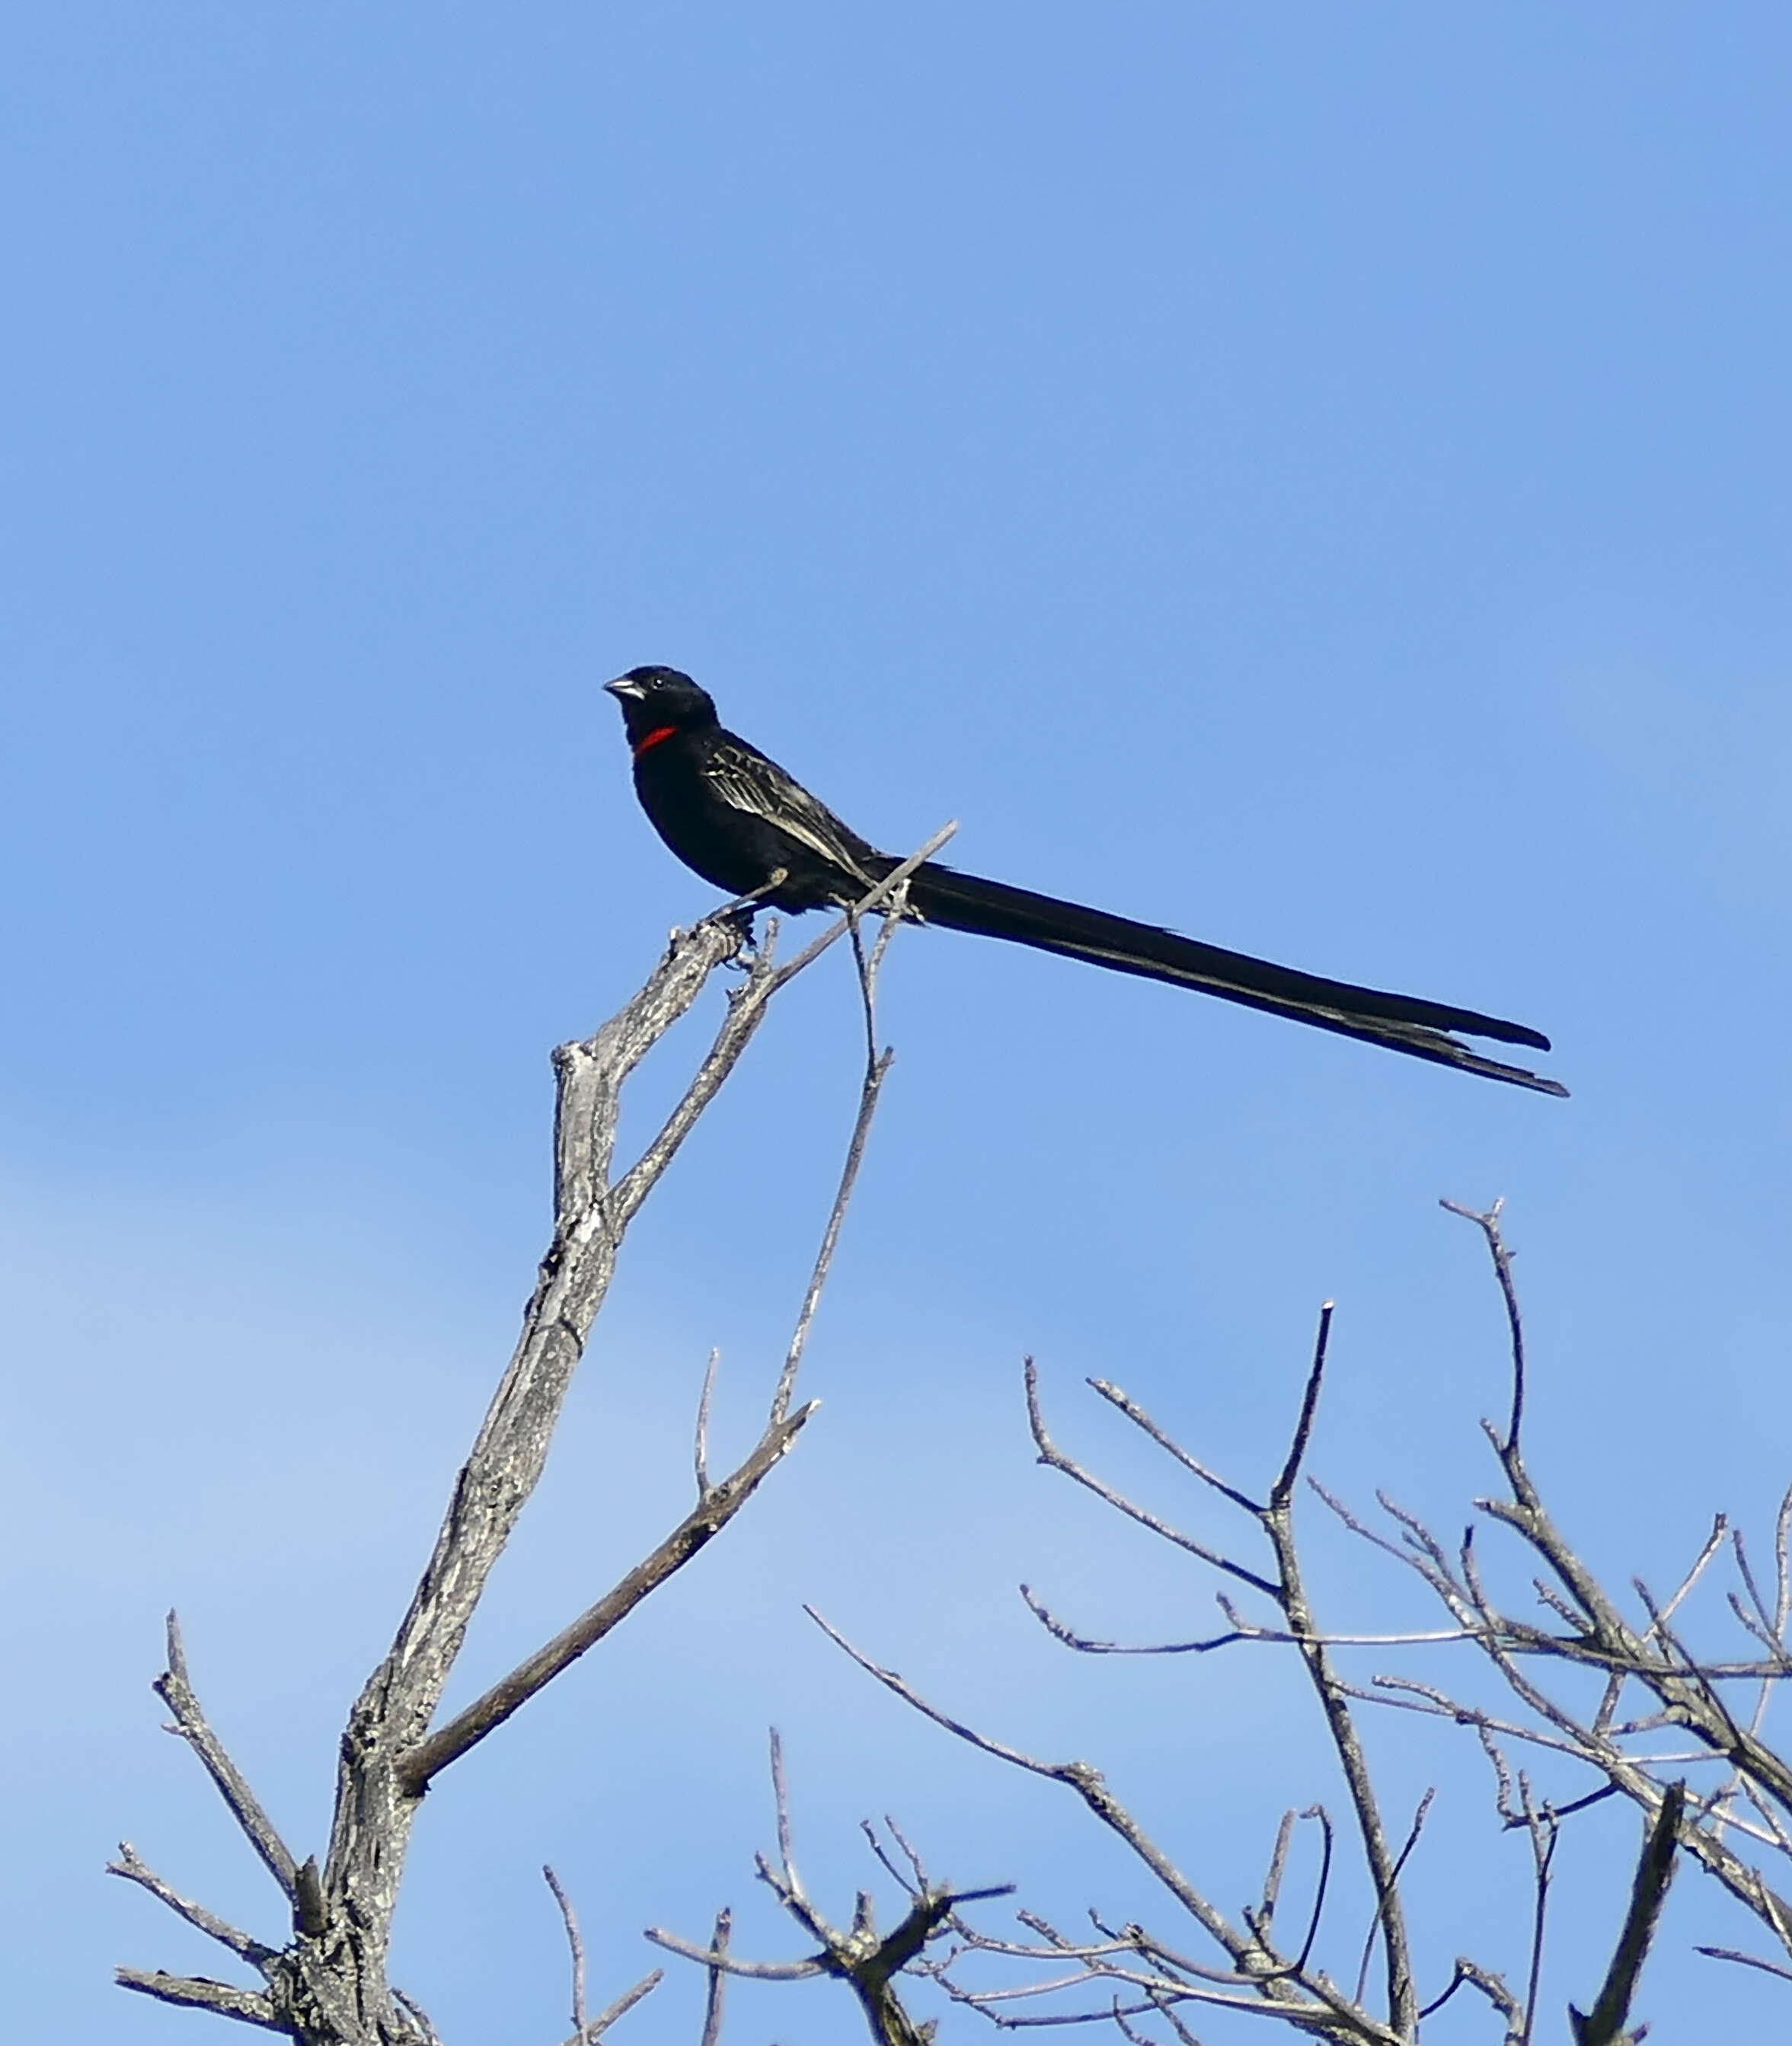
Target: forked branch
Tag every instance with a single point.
(330, 1988)
(867, 1961)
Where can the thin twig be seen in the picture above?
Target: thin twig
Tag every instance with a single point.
(1400, 1861)
(781, 1800)
(427, 2032)
(701, 1450)
(715, 1959)
(623, 2004)
(569, 1918)
(911, 1885)
(133, 1869)
(750, 1001)
(1283, 1489)
(701, 1526)
(877, 1068)
(1051, 1455)
(1334, 1696)
(1745, 1960)
(198, 1993)
(1241, 1629)
(718, 1981)
(1272, 1878)
(1713, 1542)
(1783, 1564)
(174, 1689)
(1489, 1224)
(1245, 1946)
(1493, 1987)
(1116, 1397)
(1604, 2026)
(1543, 1836)
(870, 903)
(1321, 1888)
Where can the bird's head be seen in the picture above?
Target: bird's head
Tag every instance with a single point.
(656, 700)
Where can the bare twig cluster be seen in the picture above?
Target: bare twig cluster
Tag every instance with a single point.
(1738, 1828)
(1660, 1707)
(858, 1954)
(1144, 1974)
(327, 1983)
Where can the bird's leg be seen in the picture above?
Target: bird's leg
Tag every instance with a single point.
(741, 915)
(742, 911)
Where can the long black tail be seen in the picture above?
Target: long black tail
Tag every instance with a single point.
(1403, 1023)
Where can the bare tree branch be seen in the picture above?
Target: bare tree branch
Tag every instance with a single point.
(1312, 2001)
(1334, 1696)
(1746, 1960)
(1489, 1224)
(699, 1527)
(877, 1067)
(1282, 1490)
(751, 1000)
(611, 2012)
(1141, 1420)
(1051, 1455)
(174, 1689)
(570, 1919)
(718, 1960)
(196, 1992)
(718, 1981)
(331, 1989)
(699, 1455)
(1655, 1871)
(133, 1870)
(868, 1962)
(1544, 1833)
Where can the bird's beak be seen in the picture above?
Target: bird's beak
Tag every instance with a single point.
(630, 691)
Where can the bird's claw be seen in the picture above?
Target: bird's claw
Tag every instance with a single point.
(739, 917)
(741, 913)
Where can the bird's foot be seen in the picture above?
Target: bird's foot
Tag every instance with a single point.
(741, 915)
(741, 911)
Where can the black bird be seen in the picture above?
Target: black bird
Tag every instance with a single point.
(737, 818)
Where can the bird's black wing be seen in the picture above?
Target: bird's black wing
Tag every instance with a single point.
(747, 780)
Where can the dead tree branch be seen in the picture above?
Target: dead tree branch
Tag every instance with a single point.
(174, 1689)
(196, 1992)
(1142, 1974)
(705, 1521)
(867, 1961)
(714, 2001)
(1269, 1979)
(330, 1988)
(1593, 1632)
(133, 1870)
(1604, 2026)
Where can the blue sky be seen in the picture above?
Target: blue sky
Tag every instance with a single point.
(1314, 477)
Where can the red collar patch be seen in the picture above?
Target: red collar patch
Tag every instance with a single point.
(654, 739)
